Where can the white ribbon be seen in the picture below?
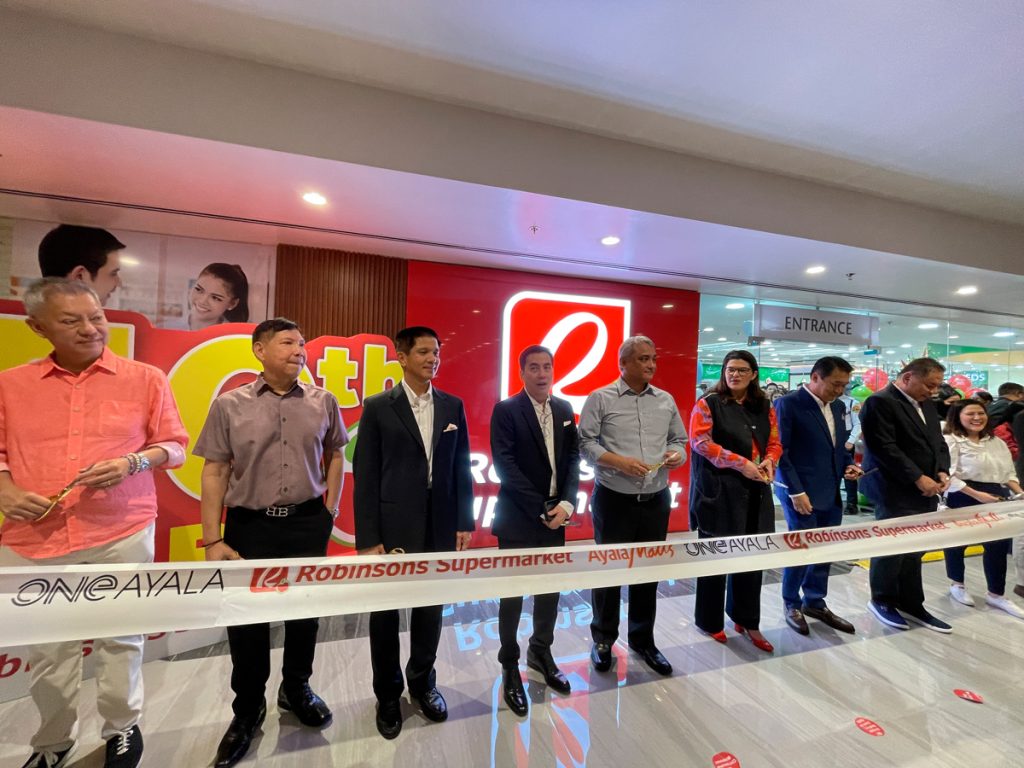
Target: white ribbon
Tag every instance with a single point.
(47, 604)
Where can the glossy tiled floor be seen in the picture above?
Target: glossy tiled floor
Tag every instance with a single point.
(794, 708)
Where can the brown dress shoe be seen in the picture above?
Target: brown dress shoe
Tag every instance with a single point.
(796, 620)
(826, 616)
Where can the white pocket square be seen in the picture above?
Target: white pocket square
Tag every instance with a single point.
(567, 423)
(450, 428)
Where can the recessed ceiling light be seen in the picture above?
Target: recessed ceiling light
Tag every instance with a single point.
(1003, 334)
(851, 349)
(890, 351)
(1018, 343)
(722, 338)
(709, 329)
(667, 306)
(927, 326)
(735, 305)
(610, 240)
(817, 269)
(812, 345)
(905, 346)
(954, 337)
(767, 344)
(314, 198)
(967, 290)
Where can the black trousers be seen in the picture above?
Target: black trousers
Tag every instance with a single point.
(896, 579)
(740, 591)
(510, 609)
(619, 518)
(255, 536)
(385, 649)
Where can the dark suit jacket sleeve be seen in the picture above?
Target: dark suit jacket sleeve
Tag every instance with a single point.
(366, 473)
(880, 418)
(785, 417)
(571, 458)
(842, 432)
(463, 475)
(503, 454)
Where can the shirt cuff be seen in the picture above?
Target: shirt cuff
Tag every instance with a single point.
(175, 454)
(569, 508)
(795, 496)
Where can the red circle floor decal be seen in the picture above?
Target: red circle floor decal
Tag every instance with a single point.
(969, 696)
(869, 727)
(725, 760)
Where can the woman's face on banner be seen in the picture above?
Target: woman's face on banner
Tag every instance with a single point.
(211, 298)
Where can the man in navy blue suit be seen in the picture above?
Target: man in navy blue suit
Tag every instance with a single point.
(536, 453)
(813, 428)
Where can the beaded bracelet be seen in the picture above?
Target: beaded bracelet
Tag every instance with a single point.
(137, 462)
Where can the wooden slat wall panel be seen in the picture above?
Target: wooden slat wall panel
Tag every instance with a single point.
(340, 293)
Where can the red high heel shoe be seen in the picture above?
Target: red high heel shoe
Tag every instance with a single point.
(718, 637)
(763, 644)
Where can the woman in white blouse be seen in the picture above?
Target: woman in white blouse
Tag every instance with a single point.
(982, 472)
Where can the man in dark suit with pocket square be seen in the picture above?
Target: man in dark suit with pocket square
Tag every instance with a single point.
(814, 428)
(414, 493)
(536, 453)
(903, 442)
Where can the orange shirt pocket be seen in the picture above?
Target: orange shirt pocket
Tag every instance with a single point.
(121, 418)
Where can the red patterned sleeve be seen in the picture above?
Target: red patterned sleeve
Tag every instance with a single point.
(774, 451)
(700, 440)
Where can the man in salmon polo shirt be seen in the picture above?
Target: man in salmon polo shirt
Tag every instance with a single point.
(82, 417)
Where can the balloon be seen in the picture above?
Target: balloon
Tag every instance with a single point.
(875, 379)
(959, 381)
(961, 393)
(973, 391)
(861, 393)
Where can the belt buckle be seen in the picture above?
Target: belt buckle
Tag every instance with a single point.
(278, 511)
(642, 497)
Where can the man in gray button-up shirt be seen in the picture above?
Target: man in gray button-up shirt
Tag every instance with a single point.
(631, 432)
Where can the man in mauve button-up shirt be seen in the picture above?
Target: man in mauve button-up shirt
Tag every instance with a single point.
(86, 420)
(631, 432)
(272, 450)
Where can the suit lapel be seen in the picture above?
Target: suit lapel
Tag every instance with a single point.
(910, 410)
(400, 402)
(811, 405)
(556, 425)
(441, 419)
(529, 414)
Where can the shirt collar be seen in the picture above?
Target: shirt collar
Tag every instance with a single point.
(107, 361)
(413, 397)
(262, 386)
(818, 400)
(537, 403)
(913, 402)
(621, 388)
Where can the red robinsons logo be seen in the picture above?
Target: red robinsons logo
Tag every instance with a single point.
(274, 579)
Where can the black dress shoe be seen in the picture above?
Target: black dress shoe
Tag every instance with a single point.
(795, 619)
(433, 706)
(237, 738)
(601, 656)
(545, 664)
(826, 616)
(515, 694)
(307, 706)
(654, 659)
(389, 718)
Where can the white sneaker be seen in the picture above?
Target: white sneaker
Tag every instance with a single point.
(1005, 605)
(959, 593)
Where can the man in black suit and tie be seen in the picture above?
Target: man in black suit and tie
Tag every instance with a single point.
(536, 453)
(413, 492)
(903, 441)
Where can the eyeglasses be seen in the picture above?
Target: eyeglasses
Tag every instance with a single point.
(738, 371)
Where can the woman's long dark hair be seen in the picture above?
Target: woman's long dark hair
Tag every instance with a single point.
(755, 395)
(236, 280)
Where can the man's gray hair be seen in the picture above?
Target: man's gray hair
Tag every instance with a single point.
(40, 291)
(629, 347)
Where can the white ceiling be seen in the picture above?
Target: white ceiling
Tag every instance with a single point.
(181, 185)
(921, 100)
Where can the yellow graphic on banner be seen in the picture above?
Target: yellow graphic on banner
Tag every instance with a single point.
(184, 543)
(21, 344)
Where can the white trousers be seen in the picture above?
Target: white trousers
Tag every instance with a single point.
(1018, 558)
(56, 675)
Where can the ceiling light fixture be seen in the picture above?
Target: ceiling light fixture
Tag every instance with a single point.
(817, 269)
(709, 329)
(610, 240)
(927, 326)
(905, 346)
(314, 198)
(1004, 334)
(967, 290)
(954, 337)
(735, 305)
(722, 338)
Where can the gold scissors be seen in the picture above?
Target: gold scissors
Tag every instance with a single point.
(55, 500)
